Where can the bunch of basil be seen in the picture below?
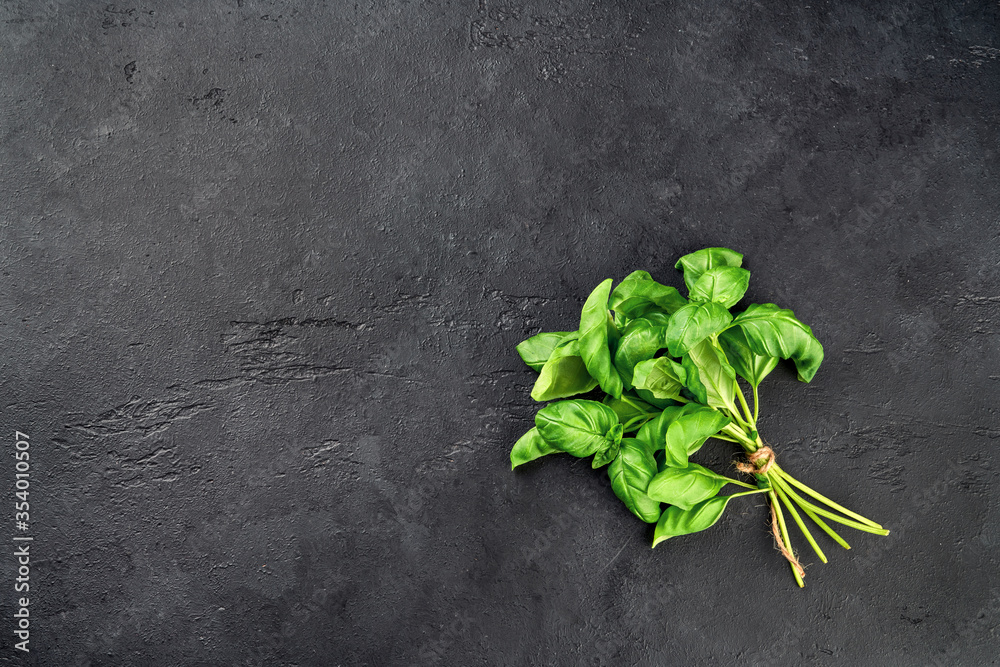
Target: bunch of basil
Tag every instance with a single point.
(667, 367)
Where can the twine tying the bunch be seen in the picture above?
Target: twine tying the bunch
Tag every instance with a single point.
(755, 467)
(760, 462)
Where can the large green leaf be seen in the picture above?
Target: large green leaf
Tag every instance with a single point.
(697, 263)
(529, 447)
(639, 291)
(642, 339)
(723, 284)
(536, 350)
(750, 366)
(708, 370)
(662, 377)
(630, 473)
(692, 426)
(564, 374)
(580, 427)
(775, 332)
(676, 521)
(653, 434)
(597, 335)
(694, 323)
(685, 487)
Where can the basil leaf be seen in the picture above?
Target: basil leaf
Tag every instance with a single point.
(564, 374)
(578, 427)
(662, 377)
(630, 473)
(775, 332)
(658, 403)
(697, 263)
(634, 296)
(676, 521)
(709, 370)
(694, 323)
(536, 350)
(750, 366)
(691, 427)
(597, 335)
(641, 341)
(685, 487)
(604, 457)
(694, 384)
(627, 411)
(723, 284)
(529, 447)
(654, 432)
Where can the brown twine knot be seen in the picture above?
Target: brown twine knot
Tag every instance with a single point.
(760, 462)
(765, 454)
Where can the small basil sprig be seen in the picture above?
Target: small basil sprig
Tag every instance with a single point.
(649, 376)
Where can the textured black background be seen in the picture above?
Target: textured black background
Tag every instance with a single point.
(265, 264)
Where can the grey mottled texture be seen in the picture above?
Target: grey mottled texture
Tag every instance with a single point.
(265, 263)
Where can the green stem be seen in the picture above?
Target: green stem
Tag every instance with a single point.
(801, 524)
(829, 531)
(756, 404)
(817, 495)
(627, 399)
(751, 421)
(641, 419)
(740, 437)
(739, 483)
(784, 535)
(805, 504)
(747, 493)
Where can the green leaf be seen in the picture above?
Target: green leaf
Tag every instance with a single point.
(676, 521)
(536, 350)
(694, 323)
(697, 263)
(630, 473)
(564, 374)
(685, 487)
(606, 456)
(579, 427)
(642, 339)
(750, 366)
(691, 427)
(597, 335)
(634, 296)
(658, 403)
(529, 447)
(628, 411)
(708, 369)
(694, 384)
(662, 377)
(653, 434)
(723, 284)
(775, 332)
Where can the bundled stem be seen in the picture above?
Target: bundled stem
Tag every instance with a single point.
(782, 491)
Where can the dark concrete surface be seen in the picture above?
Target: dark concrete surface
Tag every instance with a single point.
(265, 264)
